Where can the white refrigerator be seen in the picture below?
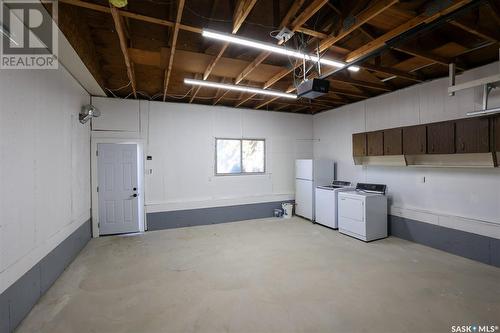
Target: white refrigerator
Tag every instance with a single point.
(308, 175)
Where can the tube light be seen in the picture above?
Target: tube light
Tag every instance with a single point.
(275, 49)
(239, 88)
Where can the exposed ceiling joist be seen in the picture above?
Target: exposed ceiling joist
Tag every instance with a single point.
(168, 71)
(423, 18)
(475, 30)
(392, 72)
(242, 10)
(307, 13)
(433, 58)
(124, 47)
(377, 8)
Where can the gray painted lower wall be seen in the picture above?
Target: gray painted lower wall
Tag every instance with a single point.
(17, 301)
(212, 215)
(461, 243)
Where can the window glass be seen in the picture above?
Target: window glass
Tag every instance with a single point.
(228, 156)
(239, 156)
(253, 155)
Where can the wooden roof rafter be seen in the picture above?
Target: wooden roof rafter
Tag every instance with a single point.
(242, 10)
(168, 70)
(118, 22)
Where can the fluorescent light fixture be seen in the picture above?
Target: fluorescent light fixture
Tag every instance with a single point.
(275, 49)
(238, 88)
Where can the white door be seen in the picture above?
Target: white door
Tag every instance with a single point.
(118, 190)
(304, 169)
(304, 198)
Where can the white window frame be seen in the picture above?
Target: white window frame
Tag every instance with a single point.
(241, 173)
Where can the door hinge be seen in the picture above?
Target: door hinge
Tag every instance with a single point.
(98, 224)
(97, 188)
(97, 153)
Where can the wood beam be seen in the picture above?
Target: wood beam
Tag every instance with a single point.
(360, 19)
(307, 13)
(124, 47)
(433, 58)
(392, 72)
(251, 66)
(311, 32)
(423, 18)
(168, 71)
(359, 83)
(196, 77)
(294, 8)
(135, 16)
(475, 30)
(243, 8)
(495, 6)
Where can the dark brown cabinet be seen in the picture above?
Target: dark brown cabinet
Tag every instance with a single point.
(441, 138)
(393, 142)
(415, 140)
(375, 143)
(472, 135)
(359, 144)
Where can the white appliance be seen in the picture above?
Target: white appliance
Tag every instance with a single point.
(363, 212)
(326, 203)
(308, 175)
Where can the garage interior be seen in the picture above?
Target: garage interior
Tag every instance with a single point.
(250, 166)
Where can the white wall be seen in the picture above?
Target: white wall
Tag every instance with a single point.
(181, 140)
(44, 166)
(466, 199)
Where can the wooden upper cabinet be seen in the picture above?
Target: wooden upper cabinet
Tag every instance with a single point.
(473, 135)
(441, 138)
(359, 144)
(497, 133)
(415, 140)
(375, 143)
(393, 141)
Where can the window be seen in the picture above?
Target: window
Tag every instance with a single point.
(239, 156)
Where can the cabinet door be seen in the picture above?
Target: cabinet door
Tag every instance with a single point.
(497, 133)
(393, 142)
(359, 144)
(441, 138)
(473, 135)
(415, 140)
(375, 143)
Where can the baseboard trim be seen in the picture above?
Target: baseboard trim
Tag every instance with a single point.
(212, 215)
(18, 299)
(465, 244)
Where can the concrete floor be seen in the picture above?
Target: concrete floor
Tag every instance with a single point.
(266, 275)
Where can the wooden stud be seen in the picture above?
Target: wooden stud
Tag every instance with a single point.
(168, 71)
(124, 47)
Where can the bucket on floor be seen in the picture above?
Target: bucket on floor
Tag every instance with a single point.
(287, 210)
(278, 212)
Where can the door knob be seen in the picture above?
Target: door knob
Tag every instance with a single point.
(134, 189)
(134, 195)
